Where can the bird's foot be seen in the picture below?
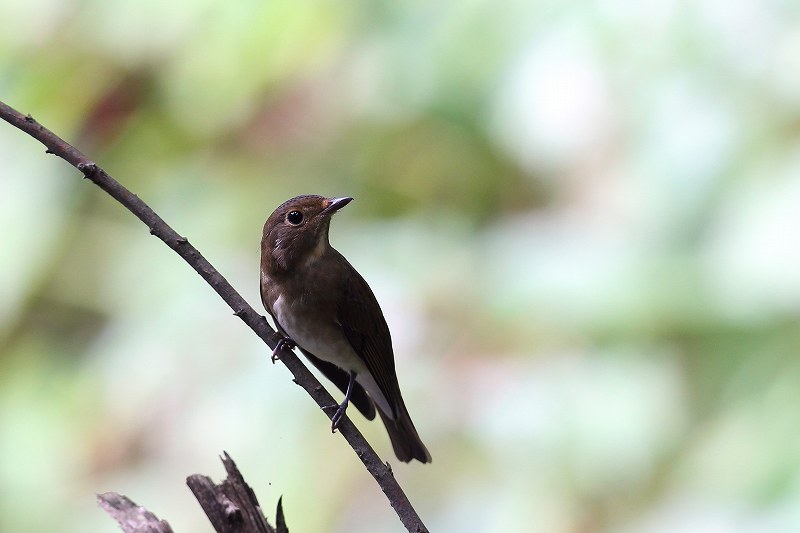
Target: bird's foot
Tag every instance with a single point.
(341, 409)
(285, 343)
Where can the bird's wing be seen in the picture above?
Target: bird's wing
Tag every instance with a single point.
(362, 321)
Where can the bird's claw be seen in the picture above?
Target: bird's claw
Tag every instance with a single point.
(336, 419)
(284, 343)
(342, 407)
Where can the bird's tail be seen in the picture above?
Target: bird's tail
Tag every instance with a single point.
(405, 440)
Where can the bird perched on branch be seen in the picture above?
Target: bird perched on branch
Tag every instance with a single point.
(323, 306)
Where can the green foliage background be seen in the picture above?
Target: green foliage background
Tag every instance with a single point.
(580, 218)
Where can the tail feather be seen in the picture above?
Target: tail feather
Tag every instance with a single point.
(405, 440)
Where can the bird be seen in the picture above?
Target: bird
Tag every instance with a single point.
(323, 306)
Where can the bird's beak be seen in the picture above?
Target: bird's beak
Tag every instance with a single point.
(336, 204)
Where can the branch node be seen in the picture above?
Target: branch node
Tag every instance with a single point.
(239, 313)
(181, 240)
(89, 169)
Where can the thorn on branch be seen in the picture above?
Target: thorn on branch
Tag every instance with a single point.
(239, 313)
(280, 526)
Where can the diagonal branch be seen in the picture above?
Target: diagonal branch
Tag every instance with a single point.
(302, 376)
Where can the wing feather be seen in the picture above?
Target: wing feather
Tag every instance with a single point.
(362, 321)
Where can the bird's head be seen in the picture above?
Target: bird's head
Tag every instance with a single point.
(296, 232)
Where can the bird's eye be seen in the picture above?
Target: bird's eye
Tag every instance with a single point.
(294, 217)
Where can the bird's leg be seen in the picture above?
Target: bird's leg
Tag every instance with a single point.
(342, 407)
(284, 343)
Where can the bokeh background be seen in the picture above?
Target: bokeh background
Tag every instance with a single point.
(581, 219)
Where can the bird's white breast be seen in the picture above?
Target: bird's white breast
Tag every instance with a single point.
(327, 341)
(323, 339)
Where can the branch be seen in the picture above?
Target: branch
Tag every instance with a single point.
(302, 376)
(130, 517)
(232, 506)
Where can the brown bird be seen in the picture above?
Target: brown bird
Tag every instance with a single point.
(323, 306)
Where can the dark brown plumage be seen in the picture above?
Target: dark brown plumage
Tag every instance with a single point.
(323, 305)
